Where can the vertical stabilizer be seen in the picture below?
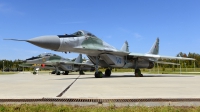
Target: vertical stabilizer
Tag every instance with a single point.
(79, 59)
(155, 48)
(125, 47)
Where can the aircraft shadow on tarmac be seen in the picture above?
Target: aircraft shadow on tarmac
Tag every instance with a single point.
(127, 76)
(115, 76)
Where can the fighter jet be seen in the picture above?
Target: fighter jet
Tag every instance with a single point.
(101, 53)
(37, 67)
(58, 63)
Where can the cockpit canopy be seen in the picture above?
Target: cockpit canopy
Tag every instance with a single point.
(78, 34)
(86, 33)
(46, 54)
(42, 55)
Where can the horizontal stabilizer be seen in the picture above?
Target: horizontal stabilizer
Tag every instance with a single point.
(15, 39)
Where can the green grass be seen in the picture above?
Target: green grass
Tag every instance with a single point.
(67, 108)
(8, 73)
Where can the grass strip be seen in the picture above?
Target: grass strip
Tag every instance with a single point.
(67, 108)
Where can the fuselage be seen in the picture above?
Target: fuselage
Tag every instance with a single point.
(86, 43)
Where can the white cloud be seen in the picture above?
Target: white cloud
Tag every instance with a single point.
(109, 36)
(74, 22)
(134, 34)
(7, 9)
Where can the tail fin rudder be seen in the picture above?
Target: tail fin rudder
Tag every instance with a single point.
(79, 59)
(155, 48)
(125, 47)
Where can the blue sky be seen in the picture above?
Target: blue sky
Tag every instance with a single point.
(140, 22)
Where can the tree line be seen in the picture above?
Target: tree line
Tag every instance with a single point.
(185, 63)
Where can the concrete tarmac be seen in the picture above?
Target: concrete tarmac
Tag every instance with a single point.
(119, 85)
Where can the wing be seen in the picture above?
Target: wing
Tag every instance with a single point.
(156, 57)
(84, 64)
(100, 51)
(73, 63)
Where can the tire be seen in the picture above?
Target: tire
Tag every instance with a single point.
(58, 73)
(107, 72)
(34, 73)
(53, 72)
(81, 72)
(98, 74)
(66, 73)
(137, 73)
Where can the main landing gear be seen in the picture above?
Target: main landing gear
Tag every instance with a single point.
(66, 73)
(137, 70)
(99, 74)
(81, 72)
(108, 72)
(138, 73)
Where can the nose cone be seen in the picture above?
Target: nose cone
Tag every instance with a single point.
(47, 42)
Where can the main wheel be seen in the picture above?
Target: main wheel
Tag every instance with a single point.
(98, 74)
(81, 72)
(66, 73)
(53, 72)
(107, 72)
(57, 73)
(34, 73)
(137, 73)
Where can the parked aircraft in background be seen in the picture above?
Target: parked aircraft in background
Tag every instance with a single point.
(101, 53)
(37, 67)
(58, 63)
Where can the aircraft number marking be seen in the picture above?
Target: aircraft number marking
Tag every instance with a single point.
(69, 67)
(118, 60)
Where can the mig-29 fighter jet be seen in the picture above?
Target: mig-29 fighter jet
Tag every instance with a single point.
(101, 53)
(58, 63)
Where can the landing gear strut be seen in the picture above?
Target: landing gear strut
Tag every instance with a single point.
(97, 74)
(137, 70)
(58, 73)
(138, 73)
